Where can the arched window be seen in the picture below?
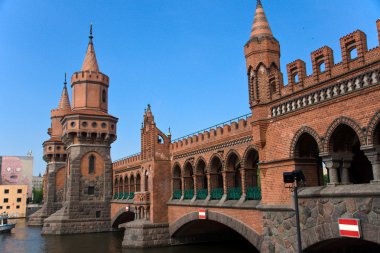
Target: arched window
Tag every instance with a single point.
(272, 84)
(146, 181)
(91, 164)
(104, 96)
(138, 183)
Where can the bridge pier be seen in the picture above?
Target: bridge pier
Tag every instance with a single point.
(145, 234)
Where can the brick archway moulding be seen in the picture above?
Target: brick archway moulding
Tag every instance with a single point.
(199, 159)
(346, 121)
(302, 130)
(248, 233)
(371, 128)
(230, 152)
(244, 158)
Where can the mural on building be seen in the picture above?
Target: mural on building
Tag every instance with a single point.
(17, 170)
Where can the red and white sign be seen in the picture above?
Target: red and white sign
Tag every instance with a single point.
(202, 214)
(349, 227)
(127, 208)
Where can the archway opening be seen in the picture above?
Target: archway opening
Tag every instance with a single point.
(201, 182)
(252, 175)
(233, 177)
(177, 182)
(354, 166)
(216, 178)
(344, 245)
(188, 182)
(202, 231)
(123, 218)
(126, 187)
(308, 160)
(138, 183)
(132, 187)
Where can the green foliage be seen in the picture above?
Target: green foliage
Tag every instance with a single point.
(38, 196)
(202, 193)
(254, 193)
(189, 194)
(177, 194)
(217, 193)
(234, 193)
(325, 179)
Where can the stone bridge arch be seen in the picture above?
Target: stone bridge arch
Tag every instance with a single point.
(246, 232)
(122, 216)
(329, 232)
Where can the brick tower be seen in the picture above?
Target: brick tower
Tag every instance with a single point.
(55, 156)
(262, 53)
(87, 132)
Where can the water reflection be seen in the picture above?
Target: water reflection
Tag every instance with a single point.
(24, 239)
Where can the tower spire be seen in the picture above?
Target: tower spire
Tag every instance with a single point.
(64, 102)
(90, 63)
(260, 26)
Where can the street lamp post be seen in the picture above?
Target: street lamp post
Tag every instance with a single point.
(295, 177)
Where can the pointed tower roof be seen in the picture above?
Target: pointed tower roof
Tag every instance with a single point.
(90, 63)
(260, 26)
(64, 102)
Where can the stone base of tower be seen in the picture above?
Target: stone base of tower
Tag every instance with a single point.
(37, 218)
(145, 234)
(89, 218)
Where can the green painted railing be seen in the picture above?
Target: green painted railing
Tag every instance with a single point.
(202, 193)
(115, 195)
(234, 193)
(131, 195)
(217, 193)
(189, 194)
(126, 195)
(121, 195)
(177, 194)
(253, 193)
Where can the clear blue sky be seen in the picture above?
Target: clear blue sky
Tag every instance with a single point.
(185, 58)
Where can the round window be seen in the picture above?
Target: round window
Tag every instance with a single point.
(84, 124)
(104, 125)
(94, 124)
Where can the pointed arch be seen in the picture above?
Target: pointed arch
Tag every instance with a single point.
(247, 152)
(302, 130)
(197, 164)
(372, 135)
(214, 156)
(228, 157)
(342, 121)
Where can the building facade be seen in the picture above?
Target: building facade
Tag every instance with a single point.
(78, 178)
(13, 200)
(17, 170)
(228, 179)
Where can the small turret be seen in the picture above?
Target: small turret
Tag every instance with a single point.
(262, 53)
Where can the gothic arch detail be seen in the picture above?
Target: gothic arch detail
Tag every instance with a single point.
(347, 121)
(371, 128)
(302, 130)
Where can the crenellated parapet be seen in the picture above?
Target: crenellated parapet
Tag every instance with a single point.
(83, 76)
(218, 132)
(125, 162)
(355, 55)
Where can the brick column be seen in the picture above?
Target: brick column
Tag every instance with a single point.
(332, 165)
(243, 186)
(225, 187)
(373, 156)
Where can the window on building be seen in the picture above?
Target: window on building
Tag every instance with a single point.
(97, 214)
(17, 207)
(18, 200)
(6, 191)
(91, 164)
(353, 53)
(5, 200)
(273, 85)
(322, 67)
(91, 190)
(104, 98)
(19, 190)
(8, 207)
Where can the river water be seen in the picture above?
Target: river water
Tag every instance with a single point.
(24, 239)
